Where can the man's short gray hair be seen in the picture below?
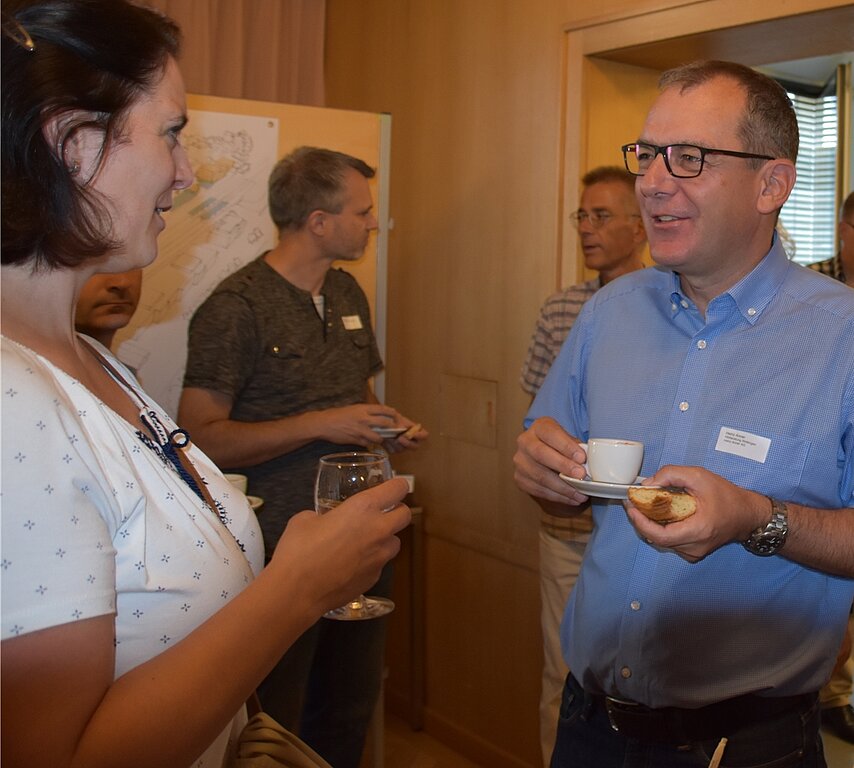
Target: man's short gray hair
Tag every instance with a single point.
(769, 125)
(309, 179)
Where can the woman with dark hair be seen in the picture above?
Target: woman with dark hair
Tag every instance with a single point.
(136, 619)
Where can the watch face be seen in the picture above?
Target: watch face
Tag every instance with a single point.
(766, 541)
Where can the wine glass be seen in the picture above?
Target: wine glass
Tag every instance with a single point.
(339, 476)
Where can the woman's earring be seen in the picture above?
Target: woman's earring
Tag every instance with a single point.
(74, 168)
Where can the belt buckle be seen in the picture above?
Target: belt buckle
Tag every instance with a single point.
(644, 724)
(614, 706)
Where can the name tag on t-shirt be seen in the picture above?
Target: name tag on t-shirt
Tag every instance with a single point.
(351, 322)
(743, 444)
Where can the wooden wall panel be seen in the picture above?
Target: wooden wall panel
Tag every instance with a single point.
(617, 99)
(483, 656)
(473, 89)
(468, 409)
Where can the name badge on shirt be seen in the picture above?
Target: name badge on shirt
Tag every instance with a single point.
(351, 322)
(743, 444)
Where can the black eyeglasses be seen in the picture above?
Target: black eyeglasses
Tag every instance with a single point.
(684, 161)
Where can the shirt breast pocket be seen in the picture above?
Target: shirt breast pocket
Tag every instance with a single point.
(285, 351)
(779, 475)
(360, 339)
(281, 362)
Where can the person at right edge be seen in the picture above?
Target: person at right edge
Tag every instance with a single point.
(706, 640)
(837, 714)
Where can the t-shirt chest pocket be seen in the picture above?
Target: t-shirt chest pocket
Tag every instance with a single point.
(289, 351)
(772, 464)
(360, 338)
(281, 364)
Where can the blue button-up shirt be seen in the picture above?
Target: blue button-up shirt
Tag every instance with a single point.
(772, 361)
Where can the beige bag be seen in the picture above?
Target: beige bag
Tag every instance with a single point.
(266, 744)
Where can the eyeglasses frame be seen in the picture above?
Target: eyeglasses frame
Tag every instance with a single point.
(595, 219)
(664, 151)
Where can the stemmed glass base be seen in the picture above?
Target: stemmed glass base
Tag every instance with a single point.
(361, 609)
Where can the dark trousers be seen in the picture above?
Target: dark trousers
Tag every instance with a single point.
(585, 739)
(326, 686)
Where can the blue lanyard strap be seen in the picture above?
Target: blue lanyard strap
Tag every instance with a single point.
(169, 445)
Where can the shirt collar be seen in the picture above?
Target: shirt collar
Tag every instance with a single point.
(753, 293)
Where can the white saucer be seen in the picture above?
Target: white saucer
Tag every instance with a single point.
(388, 433)
(601, 490)
(255, 502)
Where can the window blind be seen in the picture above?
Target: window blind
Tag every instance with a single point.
(809, 215)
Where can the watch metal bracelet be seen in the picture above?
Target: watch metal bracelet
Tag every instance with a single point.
(768, 539)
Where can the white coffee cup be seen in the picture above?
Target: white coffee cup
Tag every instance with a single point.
(241, 482)
(613, 461)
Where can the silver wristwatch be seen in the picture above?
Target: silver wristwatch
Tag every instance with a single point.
(767, 540)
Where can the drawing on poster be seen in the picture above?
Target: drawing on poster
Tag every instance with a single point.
(216, 226)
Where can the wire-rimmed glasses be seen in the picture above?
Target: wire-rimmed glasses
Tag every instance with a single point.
(596, 219)
(684, 161)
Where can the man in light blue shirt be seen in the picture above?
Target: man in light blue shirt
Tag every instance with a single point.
(735, 368)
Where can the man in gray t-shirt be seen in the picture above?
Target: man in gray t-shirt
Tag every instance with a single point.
(259, 342)
(278, 374)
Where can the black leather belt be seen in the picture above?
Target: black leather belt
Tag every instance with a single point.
(672, 725)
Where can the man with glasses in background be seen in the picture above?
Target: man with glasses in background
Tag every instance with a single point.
(706, 641)
(612, 240)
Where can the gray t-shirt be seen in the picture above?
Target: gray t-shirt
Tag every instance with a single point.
(259, 340)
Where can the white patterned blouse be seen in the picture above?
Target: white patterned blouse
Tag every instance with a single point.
(95, 521)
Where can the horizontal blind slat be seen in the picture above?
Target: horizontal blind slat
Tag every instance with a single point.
(808, 216)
